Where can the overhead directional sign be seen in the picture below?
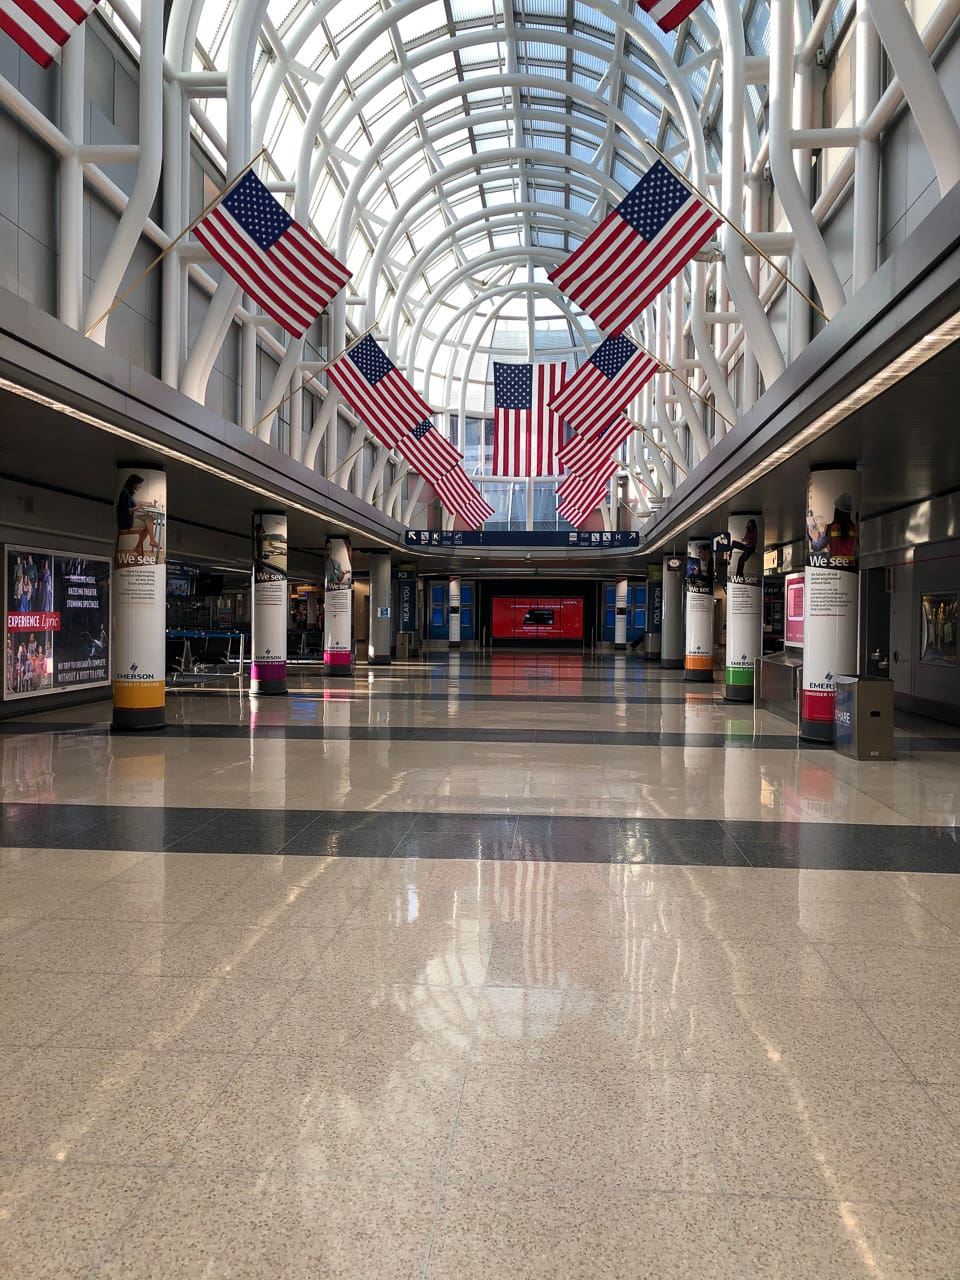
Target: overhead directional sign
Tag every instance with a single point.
(572, 540)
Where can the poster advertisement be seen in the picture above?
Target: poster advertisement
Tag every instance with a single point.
(698, 658)
(338, 605)
(793, 619)
(268, 670)
(140, 605)
(407, 592)
(831, 593)
(57, 622)
(744, 602)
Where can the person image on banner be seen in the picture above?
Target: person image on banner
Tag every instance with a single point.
(46, 587)
(136, 518)
(747, 548)
(836, 536)
(700, 568)
(336, 577)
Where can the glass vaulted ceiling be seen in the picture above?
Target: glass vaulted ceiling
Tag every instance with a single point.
(531, 114)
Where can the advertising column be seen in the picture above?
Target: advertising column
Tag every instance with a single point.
(651, 640)
(698, 662)
(139, 611)
(338, 609)
(271, 604)
(744, 605)
(620, 614)
(831, 590)
(454, 614)
(380, 620)
(671, 644)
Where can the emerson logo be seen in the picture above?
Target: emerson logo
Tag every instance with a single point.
(134, 673)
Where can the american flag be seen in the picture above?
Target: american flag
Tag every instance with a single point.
(668, 14)
(429, 453)
(259, 245)
(370, 382)
(586, 454)
(604, 384)
(42, 27)
(526, 433)
(637, 249)
(460, 495)
(579, 495)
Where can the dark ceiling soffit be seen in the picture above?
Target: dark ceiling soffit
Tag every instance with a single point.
(917, 288)
(40, 353)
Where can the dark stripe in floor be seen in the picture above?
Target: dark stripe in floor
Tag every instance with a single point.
(435, 733)
(658, 841)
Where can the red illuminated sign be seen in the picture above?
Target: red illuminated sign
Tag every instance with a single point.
(537, 618)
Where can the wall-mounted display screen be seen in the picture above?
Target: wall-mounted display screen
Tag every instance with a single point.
(537, 617)
(793, 601)
(57, 622)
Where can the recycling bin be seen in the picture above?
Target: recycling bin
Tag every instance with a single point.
(863, 718)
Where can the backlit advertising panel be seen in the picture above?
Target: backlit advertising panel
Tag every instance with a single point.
(537, 618)
(56, 622)
(793, 610)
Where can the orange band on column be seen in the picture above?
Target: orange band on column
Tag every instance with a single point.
(699, 662)
(146, 693)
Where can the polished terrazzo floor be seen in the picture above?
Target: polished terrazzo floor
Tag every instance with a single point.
(527, 967)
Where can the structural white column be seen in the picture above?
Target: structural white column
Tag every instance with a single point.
(698, 659)
(338, 609)
(271, 604)
(830, 594)
(620, 614)
(381, 621)
(139, 599)
(454, 614)
(671, 638)
(654, 627)
(744, 604)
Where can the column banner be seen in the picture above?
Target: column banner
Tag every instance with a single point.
(139, 604)
(407, 598)
(453, 634)
(651, 642)
(671, 636)
(271, 603)
(338, 609)
(831, 595)
(698, 661)
(744, 605)
(620, 614)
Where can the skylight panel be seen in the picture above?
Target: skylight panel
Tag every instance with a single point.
(470, 10)
(414, 26)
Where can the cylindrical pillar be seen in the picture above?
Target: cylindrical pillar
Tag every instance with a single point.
(271, 604)
(830, 594)
(139, 599)
(698, 661)
(744, 604)
(453, 633)
(654, 627)
(380, 617)
(338, 609)
(620, 615)
(671, 637)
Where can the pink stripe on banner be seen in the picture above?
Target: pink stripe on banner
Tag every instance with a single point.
(268, 670)
(337, 657)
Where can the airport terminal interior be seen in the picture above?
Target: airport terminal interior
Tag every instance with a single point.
(480, 723)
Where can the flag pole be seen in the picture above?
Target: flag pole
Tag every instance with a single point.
(662, 448)
(185, 232)
(312, 377)
(738, 229)
(670, 369)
